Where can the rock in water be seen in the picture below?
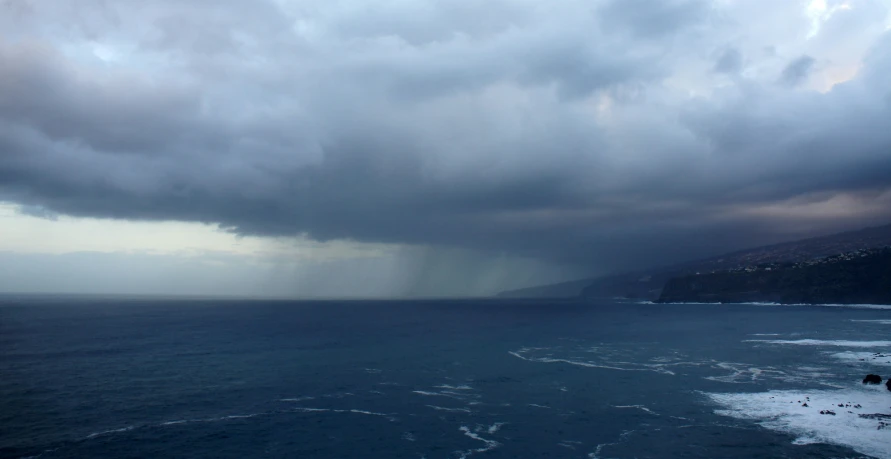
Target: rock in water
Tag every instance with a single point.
(888, 384)
(872, 379)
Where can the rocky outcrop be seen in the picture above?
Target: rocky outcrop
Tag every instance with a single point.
(872, 379)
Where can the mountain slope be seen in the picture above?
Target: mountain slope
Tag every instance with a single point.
(862, 276)
(561, 290)
(648, 284)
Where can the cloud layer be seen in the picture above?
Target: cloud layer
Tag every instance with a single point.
(592, 134)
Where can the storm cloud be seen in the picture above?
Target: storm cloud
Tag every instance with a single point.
(602, 135)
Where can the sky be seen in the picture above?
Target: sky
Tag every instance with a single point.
(403, 148)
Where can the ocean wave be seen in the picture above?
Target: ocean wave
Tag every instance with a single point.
(821, 342)
(639, 407)
(495, 427)
(798, 413)
(599, 448)
(656, 367)
(458, 387)
(109, 432)
(773, 304)
(490, 444)
(741, 372)
(870, 358)
(456, 410)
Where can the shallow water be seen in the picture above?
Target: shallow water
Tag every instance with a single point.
(106, 377)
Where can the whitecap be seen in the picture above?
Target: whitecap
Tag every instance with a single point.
(773, 304)
(459, 387)
(439, 394)
(785, 411)
(442, 408)
(821, 342)
(240, 416)
(653, 368)
(870, 358)
(490, 444)
(744, 373)
(371, 413)
(109, 432)
(170, 423)
(639, 407)
(495, 427)
(599, 448)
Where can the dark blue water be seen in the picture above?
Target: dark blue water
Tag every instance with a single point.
(106, 377)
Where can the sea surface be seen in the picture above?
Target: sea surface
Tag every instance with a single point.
(148, 378)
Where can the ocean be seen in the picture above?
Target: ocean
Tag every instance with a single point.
(148, 378)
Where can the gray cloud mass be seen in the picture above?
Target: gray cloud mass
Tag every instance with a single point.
(797, 71)
(565, 132)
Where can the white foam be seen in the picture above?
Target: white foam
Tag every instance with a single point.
(639, 407)
(821, 342)
(877, 321)
(310, 410)
(297, 399)
(442, 408)
(784, 411)
(459, 387)
(828, 305)
(370, 413)
(490, 444)
(408, 436)
(495, 427)
(765, 334)
(170, 423)
(240, 416)
(866, 358)
(599, 448)
(805, 441)
(109, 432)
(653, 368)
(446, 394)
(744, 373)
(535, 405)
(428, 393)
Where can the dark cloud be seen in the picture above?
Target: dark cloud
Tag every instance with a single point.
(653, 20)
(502, 128)
(729, 61)
(797, 71)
